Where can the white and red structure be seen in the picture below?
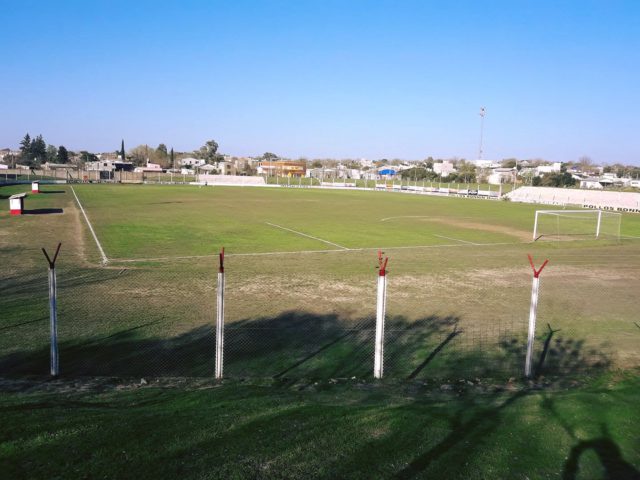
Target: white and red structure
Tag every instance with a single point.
(16, 203)
(533, 311)
(378, 361)
(35, 186)
(220, 319)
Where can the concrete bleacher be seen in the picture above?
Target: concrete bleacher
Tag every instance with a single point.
(607, 200)
(231, 180)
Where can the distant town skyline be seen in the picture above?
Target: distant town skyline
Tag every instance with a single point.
(327, 79)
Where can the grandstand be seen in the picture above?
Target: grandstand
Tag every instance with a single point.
(616, 201)
(230, 180)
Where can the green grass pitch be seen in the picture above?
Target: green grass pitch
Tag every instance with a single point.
(299, 400)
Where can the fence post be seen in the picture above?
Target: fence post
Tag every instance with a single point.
(220, 318)
(378, 363)
(53, 312)
(532, 315)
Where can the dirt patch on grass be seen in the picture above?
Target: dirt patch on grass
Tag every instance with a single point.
(486, 227)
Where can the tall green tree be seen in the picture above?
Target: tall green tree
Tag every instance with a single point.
(38, 149)
(208, 152)
(122, 154)
(63, 155)
(162, 149)
(172, 159)
(25, 148)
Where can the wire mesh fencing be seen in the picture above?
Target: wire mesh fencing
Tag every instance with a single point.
(314, 317)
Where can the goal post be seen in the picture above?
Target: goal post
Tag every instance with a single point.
(576, 223)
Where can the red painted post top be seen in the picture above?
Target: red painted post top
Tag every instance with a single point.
(221, 269)
(382, 264)
(536, 273)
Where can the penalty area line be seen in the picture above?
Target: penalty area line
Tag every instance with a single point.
(457, 240)
(304, 252)
(105, 260)
(308, 236)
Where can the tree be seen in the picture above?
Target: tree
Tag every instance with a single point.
(38, 149)
(208, 152)
(63, 155)
(88, 157)
(269, 157)
(162, 149)
(429, 162)
(466, 172)
(172, 159)
(316, 164)
(556, 180)
(417, 173)
(122, 154)
(25, 148)
(52, 153)
(585, 163)
(140, 154)
(509, 163)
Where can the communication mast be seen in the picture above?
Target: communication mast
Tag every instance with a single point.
(482, 113)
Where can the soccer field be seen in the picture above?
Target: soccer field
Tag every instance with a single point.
(139, 221)
(301, 276)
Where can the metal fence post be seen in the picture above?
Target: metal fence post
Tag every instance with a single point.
(53, 313)
(220, 318)
(532, 315)
(378, 363)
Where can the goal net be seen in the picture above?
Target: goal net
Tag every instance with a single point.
(570, 224)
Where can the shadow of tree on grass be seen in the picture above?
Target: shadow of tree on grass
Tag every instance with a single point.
(294, 345)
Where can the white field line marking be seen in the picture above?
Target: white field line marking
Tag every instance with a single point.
(456, 239)
(105, 260)
(416, 216)
(308, 236)
(342, 250)
(628, 236)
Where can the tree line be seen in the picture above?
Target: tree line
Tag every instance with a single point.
(35, 151)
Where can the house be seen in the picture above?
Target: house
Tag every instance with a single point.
(100, 166)
(104, 166)
(483, 163)
(226, 168)
(553, 168)
(282, 168)
(444, 169)
(191, 162)
(149, 168)
(596, 183)
(502, 175)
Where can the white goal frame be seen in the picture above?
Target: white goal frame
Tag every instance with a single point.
(560, 212)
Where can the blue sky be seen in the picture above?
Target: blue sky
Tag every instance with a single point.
(372, 79)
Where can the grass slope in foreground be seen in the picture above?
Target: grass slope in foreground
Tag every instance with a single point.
(348, 430)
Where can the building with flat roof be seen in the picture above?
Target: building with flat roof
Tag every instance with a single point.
(282, 168)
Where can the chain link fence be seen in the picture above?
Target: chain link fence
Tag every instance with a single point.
(313, 317)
